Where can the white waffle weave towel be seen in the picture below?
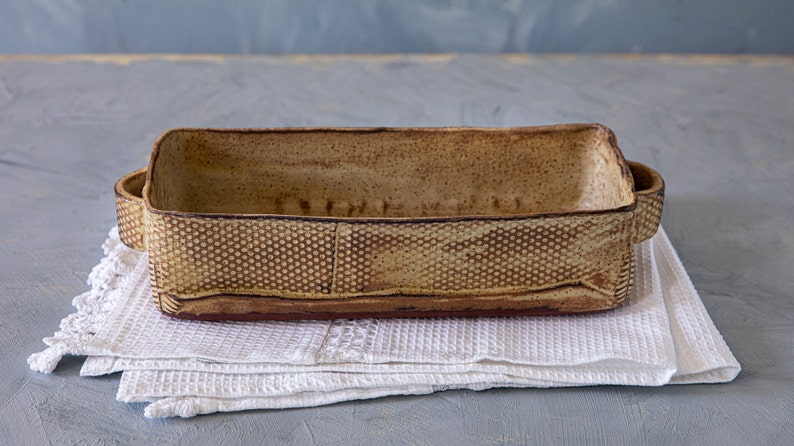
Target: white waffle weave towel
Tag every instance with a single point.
(662, 336)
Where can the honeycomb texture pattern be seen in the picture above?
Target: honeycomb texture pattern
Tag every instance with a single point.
(481, 256)
(195, 257)
(649, 215)
(129, 215)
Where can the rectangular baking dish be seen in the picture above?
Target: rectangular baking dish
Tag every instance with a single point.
(320, 223)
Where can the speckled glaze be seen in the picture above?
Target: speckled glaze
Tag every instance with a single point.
(348, 222)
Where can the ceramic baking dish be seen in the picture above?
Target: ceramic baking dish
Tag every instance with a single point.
(314, 223)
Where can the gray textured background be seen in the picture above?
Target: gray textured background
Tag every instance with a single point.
(396, 26)
(720, 130)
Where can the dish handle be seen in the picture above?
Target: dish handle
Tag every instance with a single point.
(649, 187)
(130, 209)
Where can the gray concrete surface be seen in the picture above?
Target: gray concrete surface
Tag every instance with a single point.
(396, 26)
(720, 129)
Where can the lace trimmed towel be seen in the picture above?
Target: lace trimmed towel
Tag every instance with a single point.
(184, 368)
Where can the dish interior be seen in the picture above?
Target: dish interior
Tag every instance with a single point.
(392, 173)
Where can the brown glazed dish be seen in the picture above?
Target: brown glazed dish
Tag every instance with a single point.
(322, 223)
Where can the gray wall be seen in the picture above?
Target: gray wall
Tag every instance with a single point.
(375, 26)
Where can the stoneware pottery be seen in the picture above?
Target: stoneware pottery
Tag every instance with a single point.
(321, 223)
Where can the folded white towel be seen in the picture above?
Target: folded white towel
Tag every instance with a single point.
(663, 335)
